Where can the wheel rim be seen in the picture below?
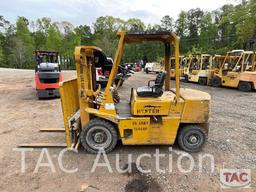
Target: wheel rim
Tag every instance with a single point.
(193, 139)
(98, 138)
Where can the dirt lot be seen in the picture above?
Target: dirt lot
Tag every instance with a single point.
(232, 141)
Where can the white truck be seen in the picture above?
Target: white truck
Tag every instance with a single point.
(153, 67)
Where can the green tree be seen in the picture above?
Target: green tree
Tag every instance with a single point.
(40, 40)
(107, 24)
(69, 42)
(230, 27)
(8, 45)
(105, 29)
(167, 23)
(85, 34)
(43, 24)
(54, 39)
(107, 43)
(244, 18)
(227, 29)
(209, 32)
(134, 24)
(194, 18)
(1, 56)
(24, 40)
(181, 26)
(19, 54)
(3, 22)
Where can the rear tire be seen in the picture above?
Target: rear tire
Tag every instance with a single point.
(202, 81)
(245, 86)
(191, 138)
(216, 82)
(146, 70)
(99, 135)
(186, 78)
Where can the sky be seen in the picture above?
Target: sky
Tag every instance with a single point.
(80, 12)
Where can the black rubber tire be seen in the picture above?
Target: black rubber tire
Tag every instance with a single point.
(197, 132)
(202, 81)
(244, 86)
(104, 125)
(146, 70)
(186, 78)
(216, 81)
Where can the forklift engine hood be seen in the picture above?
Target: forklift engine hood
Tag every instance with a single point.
(249, 76)
(196, 106)
(49, 67)
(193, 105)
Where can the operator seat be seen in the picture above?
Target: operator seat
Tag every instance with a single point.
(155, 90)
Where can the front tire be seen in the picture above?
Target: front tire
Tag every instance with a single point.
(191, 138)
(98, 135)
(202, 81)
(245, 86)
(146, 70)
(186, 78)
(216, 82)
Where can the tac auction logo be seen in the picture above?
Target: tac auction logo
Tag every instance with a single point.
(235, 178)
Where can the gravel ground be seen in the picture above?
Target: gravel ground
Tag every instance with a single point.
(232, 141)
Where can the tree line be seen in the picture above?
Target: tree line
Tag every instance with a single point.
(229, 27)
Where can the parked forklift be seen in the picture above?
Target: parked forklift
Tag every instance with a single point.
(47, 74)
(237, 71)
(199, 69)
(156, 113)
(172, 65)
(217, 61)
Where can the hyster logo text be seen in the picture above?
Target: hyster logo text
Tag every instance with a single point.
(149, 109)
(235, 178)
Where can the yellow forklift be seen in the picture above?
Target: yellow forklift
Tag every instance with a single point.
(237, 71)
(186, 63)
(156, 114)
(199, 69)
(172, 66)
(217, 61)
